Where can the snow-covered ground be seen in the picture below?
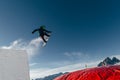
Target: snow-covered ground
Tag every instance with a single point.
(13, 65)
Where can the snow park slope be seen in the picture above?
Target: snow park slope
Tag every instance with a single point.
(14, 65)
(96, 73)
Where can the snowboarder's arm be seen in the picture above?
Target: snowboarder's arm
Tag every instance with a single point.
(34, 31)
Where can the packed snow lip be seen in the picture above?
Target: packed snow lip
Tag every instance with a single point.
(14, 65)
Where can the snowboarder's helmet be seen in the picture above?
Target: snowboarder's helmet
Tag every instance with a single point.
(42, 27)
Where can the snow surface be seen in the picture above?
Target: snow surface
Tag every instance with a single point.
(13, 65)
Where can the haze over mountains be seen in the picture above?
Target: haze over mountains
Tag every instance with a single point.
(106, 61)
(50, 77)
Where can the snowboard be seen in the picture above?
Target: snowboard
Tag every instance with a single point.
(46, 38)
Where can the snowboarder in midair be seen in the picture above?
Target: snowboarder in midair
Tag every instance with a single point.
(42, 32)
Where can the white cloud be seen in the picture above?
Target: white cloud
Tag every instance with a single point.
(76, 55)
(31, 46)
(33, 64)
(73, 54)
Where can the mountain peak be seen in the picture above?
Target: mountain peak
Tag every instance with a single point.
(109, 61)
(115, 59)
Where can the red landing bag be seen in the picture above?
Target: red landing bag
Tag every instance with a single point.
(97, 73)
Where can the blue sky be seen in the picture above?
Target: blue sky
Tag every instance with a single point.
(83, 30)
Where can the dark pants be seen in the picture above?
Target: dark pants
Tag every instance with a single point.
(42, 36)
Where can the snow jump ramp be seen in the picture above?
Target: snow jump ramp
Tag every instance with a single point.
(13, 65)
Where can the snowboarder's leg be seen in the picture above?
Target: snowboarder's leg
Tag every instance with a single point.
(43, 39)
(47, 35)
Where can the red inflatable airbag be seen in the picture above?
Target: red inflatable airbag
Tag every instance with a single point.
(97, 73)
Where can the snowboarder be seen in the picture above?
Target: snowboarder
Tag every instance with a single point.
(42, 32)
